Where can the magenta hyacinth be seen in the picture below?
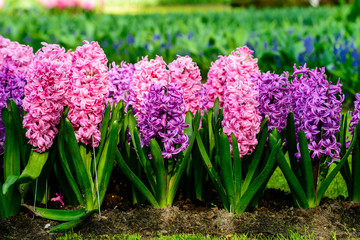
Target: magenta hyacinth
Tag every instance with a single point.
(316, 104)
(45, 92)
(186, 74)
(274, 98)
(17, 54)
(241, 115)
(162, 119)
(146, 73)
(88, 93)
(120, 81)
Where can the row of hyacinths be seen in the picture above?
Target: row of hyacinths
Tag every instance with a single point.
(161, 94)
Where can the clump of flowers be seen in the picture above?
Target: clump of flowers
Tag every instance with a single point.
(355, 115)
(4, 42)
(241, 115)
(120, 81)
(215, 85)
(274, 98)
(316, 104)
(162, 118)
(186, 74)
(88, 93)
(17, 54)
(45, 92)
(147, 73)
(62, 4)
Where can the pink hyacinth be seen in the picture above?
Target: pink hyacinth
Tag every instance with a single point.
(2, 3)
(47, 86)
(186, 74)
(87, 4)
(241, 115)
(89, 89)
(146, 73)
(15, 53)
(215, 85)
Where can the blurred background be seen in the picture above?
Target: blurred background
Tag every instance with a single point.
(323, 33)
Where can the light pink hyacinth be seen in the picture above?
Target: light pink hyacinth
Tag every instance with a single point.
(89, 89)
(45, 92)
(2, 3)
(241, 115)
(186, 74)
(215, 85)
(146, 73)
(15, 53)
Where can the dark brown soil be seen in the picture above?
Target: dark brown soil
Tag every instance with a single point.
(274, 215)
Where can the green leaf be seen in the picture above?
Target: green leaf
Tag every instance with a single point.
(135, 180)
(73, 224)
(160, 173)
(212, 173)
(355, 183)
(296, 189)
(237, 167)
(325, 184)
(34, 167)
(259, 181)
(256, 157)
(307, 169)
(8, 183)
(104, 127)
(56, 214)
(291, 144)
(226, 169)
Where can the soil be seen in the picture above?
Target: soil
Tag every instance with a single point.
(275, 214)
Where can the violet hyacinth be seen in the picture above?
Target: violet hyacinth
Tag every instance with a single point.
(274, 98)
(88, 93)
(162, 118)
(355, 115)
(146, 73)
(120, 81)
(45, 92)
(186, 74)
(241, 115)
(11, 87)
(316, 104)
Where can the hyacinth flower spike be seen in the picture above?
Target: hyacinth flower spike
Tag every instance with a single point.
(162, 140)
(313, 136)
(351, 174)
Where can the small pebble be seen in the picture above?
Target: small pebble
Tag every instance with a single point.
(47, 225)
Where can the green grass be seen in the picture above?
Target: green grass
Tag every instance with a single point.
(291, 235)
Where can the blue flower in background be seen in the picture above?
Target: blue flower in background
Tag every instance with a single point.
(275, 44)
(179, 35)
(266, 45)
(309, 45)
(190, 35)
(156, 37)
(355, 57)
(130, 39)
(104, 44)
(146, 46)
(301, 58)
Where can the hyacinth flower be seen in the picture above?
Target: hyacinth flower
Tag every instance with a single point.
(245, 167)
(274, 98)
(312, 133)
(81, 141)
(351, 174)
(162, 140)
(186, 74)
(120, 81)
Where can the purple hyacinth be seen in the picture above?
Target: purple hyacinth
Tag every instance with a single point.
(12, 84)
(355, 115)
(316, 104)
(274, 98)
(120, 81)
(163, 119)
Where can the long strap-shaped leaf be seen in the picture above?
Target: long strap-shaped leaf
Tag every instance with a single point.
(181, 166)
(345, 170)
(237, 168)
(159, 166)
(56, 214)
(226, 169)
(291, 145)
(326, 182)
(256, 156)
(307, 169)
(33, 167)
(296, 189)
(355, 183)
(212, 173)
(82, 176)
(135, 180)
(259, 181)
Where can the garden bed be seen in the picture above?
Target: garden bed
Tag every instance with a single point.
(275, 214)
